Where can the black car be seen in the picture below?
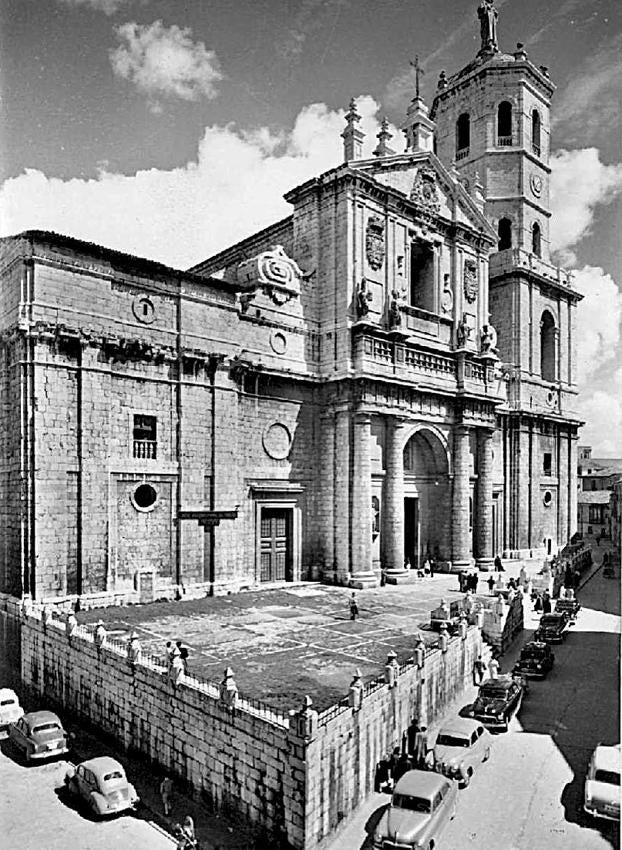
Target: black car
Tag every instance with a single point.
(552, 628)
(498, 700)
(569, 607)
(536, 659)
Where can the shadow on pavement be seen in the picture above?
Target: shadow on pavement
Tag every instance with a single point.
(370, 826)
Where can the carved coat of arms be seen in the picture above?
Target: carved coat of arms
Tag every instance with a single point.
(470, 281)
(374, 242)
(424, 191)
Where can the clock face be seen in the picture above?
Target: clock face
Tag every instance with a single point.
(535, 181)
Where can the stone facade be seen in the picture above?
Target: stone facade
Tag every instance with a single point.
(386, 375)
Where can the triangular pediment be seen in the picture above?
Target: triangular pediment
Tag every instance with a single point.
(423, 180)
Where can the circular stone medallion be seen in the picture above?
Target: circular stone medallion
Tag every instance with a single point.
(277, 441)
(278, 342)
(143, 309)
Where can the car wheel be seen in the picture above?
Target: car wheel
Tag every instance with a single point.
(94, 807)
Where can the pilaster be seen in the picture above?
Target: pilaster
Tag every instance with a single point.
(341, 501)
(393, 525)
(362, 573)
(461, 550)
(483, 518)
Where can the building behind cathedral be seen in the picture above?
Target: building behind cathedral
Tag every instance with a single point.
(388, 374)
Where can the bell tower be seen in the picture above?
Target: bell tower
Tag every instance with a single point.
(493, 127)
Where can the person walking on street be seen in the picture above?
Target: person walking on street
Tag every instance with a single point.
(432, 567)
(183, 651)
(498, 565)
(475, 580)
(546, 603)
(494, 668)
(168, 654)
(354, 608)
(479, 669)
(166, 792)
(537, 605)
(421, 747)
(491, 585)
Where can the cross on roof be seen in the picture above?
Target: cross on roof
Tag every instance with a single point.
(418, 73)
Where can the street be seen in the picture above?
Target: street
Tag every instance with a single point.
(527, 796)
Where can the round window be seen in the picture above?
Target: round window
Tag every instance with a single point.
(143, 309)
(144, 497)
(547, 498)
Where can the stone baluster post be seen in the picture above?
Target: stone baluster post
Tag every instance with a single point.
(461, 558)
(483, 518)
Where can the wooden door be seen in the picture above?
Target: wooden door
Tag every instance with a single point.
(275, 544)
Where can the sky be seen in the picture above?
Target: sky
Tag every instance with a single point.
(171, 128)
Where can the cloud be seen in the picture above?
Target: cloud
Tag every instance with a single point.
(108, 7)
(602, 411)
(165, 61)
(598, 321)
(591, 98)
(579, 183)
(184, 215)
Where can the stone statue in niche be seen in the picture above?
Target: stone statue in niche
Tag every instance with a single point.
(374, 242)
(488, 340)
(488, 15)
(463, 332)
(396, 303)
(470, 280)
(447, 296)
(363, 297)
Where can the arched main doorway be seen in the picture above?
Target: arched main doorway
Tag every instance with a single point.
(426, 498)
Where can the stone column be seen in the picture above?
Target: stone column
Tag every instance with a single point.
(325, 496)
(483, 513)
(460, 554)
(393, 524)
(341, 514)
(362, 573)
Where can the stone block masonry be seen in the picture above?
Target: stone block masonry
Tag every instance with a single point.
(295, 777)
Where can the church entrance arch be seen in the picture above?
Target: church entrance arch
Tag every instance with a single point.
(427, 512)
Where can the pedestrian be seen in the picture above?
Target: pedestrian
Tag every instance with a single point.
(383, 577)
(404, 764)
(429, 760)
(166, 791)
(475, 581)
(354, 608)
(382, 775)
(511, 584)
(537, 605)
(426, 567)
(421, 747)
(491, 585)
(546, 603)
(432, 567)
(168, 654)
(498, 565)
(183, 651)
(479, 670)
(576, 576)
(494, 668)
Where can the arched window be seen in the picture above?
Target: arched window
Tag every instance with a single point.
(535, 132)
(463, 135)
(547, 346)
(536, 240)
(504, 123)
(505, 234)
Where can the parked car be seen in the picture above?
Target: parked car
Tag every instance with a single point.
(10, 709)
(602, 783)
(536, 660)
(421, 806)
(569, 607)
(461, 745)
(497, 701)
(101, 782)
(39, 735)
(552, 628)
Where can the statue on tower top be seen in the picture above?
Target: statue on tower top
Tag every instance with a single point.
(488, 15)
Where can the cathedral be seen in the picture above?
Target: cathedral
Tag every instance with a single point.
(386, 375)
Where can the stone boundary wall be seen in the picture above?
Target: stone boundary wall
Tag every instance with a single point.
(500, 628)
(242, 761)
(348, 743)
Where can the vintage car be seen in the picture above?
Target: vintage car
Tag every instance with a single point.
(102, 784)
(602, 783)
(10, 709)
(536, 660)
(461, 745)
(552, 628)
(569, 607)
(421, 806)
(497, 701)
(39, 735)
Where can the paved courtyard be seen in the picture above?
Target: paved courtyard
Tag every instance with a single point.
(285, 643)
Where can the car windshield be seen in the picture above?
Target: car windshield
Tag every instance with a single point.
(7, 702)
(493, 692)
(531, 652)
(47, 727)
(549, 620)
(413, 804)
(608, 776)
(452, 741)
(116, 774)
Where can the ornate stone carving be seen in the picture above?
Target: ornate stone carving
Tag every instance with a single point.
(463, 332)
(470, 280)
(447, 296)
(396, 304)
(278, 274)
(488, 340)
(424, 191)
(375, 248)
(488, 15)
(363, 297)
